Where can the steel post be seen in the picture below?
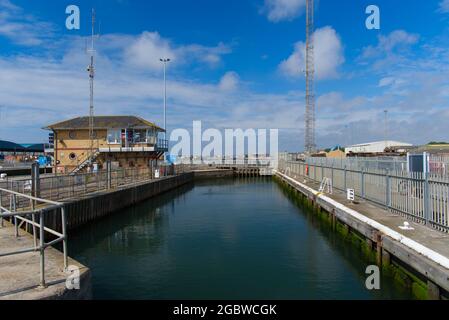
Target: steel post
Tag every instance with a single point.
(42, 249)
(427, 214)
(64, 233)
(109, 174)
(388, 189)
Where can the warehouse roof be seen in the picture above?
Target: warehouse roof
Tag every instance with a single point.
(105, 122)
(8, 146)
(389, 143)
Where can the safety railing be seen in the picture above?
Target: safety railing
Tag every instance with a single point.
(33, 219)
(224, 161)
(62, 187)
(423, 198)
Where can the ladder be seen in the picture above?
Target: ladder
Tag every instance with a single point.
(326, 184)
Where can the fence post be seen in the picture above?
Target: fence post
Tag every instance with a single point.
(332, 175)
(35, 181)
(64, 234)
(426, 198)
(388, 189)
(73, 186)
(109, 174)
(362, 184)
(16, 222)
(345, 179)
(42, 248)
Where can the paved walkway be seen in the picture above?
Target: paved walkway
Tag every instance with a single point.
(20, 274)
(433, 239)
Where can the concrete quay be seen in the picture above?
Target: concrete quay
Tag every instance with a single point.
(20, 274)
(422, 253)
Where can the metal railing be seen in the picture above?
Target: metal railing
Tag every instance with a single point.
(33, 218)
(378, 163)
(424, 198)
(162, 144)
(221, 161)
(61, 187)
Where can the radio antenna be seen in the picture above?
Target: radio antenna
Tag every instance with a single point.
(91, 70)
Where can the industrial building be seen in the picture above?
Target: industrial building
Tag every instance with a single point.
(375, 148)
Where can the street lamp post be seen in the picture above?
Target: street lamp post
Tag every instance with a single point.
(165, 61)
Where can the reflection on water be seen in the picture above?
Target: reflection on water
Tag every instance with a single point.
(223, 239)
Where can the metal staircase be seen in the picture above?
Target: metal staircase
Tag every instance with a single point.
(86, 162)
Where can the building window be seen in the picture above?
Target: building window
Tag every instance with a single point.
(72, 156)
(139, 136)
(114, 136)
(72, 135)
(151, 136)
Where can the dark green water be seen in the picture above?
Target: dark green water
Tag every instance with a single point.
(228, 239)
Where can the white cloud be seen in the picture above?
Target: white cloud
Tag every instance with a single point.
(8, 5)
(229, 81)
(444, 6)
(37, 91)
(328, 52)
(21, 28)
(279, 10)
(145, 50)
(398, 40)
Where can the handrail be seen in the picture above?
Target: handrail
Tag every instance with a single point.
(31, 197)
(15, 216)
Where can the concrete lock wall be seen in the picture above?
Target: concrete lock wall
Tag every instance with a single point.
(382, 241)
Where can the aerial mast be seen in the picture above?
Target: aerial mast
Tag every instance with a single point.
(91, 71)
(310, 145)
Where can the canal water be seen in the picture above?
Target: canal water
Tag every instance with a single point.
(224, 239)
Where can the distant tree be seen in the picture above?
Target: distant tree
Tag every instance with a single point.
(436, 142)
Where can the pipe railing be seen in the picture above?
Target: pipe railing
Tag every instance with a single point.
(418, 196)
(18, 218)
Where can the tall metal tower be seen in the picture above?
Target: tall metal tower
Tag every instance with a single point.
(310, 145)
(386, 128)
(91, 70)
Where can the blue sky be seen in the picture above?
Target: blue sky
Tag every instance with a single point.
(236, 64)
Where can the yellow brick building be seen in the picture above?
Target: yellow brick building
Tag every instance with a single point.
(126, 141)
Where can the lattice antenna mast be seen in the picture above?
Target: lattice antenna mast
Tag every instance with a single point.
(91, 70)
(310, 145)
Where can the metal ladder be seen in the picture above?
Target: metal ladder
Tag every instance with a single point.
(326, 183)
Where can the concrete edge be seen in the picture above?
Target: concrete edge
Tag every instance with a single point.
(424, 260)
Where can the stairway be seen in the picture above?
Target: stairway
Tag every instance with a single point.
(86, 162)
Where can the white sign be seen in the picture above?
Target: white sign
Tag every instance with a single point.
(351, 194)
(156, 174)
